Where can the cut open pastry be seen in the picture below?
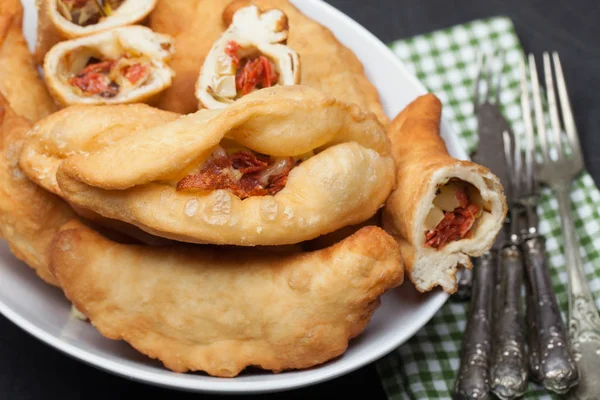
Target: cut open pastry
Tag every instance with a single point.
(69, 19)
(250, 55)
(20, 82)
(327, 65)
(209, 309)
(442, 210)
(124, 65)
(279, 166)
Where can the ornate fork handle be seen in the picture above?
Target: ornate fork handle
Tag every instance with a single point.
(508, 372)
(551, 360)
(473, 376)
(584, 321)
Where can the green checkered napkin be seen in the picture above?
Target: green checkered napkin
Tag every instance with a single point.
(445, 61)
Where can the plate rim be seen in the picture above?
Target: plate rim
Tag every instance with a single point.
(437, 298)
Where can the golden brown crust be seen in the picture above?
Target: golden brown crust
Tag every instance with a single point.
(194, 33)
(345, 183)
(342, 76)
(47, 34)
(222, 311)
(29, 216)
(418, 151)
(422, 164)
(20, 82)
(52, 140)
(82, 129)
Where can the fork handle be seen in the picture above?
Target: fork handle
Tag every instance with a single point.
(584, 321)
(551, 359)
(508, 371)
(472, 381)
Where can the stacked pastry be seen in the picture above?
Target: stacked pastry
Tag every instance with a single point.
(241, 234)
(93, 52)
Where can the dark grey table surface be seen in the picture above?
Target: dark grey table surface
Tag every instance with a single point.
(31, 370)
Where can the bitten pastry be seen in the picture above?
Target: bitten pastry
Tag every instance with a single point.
(327, 65)
(124, 65)
(29, 216)
(251, 54)
(20, 82)
(220, 311)
(442, 210)
(279, 166)
(69, 19)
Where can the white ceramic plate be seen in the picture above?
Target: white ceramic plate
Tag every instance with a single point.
(43, 312)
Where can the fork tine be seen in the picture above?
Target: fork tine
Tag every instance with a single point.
(566, 110)
(518, 168)
(537, 106)
(480, 58)
(508, 154)
(529, 134)
(511, 166)
(552, 106)
(512, 171)
(488, 79)
(502, 56)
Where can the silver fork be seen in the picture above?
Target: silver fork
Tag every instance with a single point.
(557, 170)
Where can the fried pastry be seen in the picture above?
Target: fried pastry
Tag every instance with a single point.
(53, 139)
(69, 19)
(251, 54)
(20, 82)
(279, 166)
(82, 130)
(207, 309)
(327, 65)
(123, 65)
(29, 216)
(442, 210)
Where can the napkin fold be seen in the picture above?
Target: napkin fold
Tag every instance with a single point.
(445, 61)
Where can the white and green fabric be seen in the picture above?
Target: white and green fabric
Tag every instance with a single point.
(446, 62)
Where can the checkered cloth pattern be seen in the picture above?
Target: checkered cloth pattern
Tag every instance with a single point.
(446, 62)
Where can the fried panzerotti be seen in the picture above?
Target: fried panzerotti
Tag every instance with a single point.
(327, 65)
(124, 65)
(68, 19)
(54, 139)
(20, 82)
(279, 166)
(250, 55)
(442, 210)
(220, 311)
(29, 216)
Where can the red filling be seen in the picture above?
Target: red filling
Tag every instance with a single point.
(134, 72)
(456, 224)
(260, 176)
(95, 77)
(232, 51)
(251, 72)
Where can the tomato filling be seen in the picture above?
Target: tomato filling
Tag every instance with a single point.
(87, 12)
(105, 78)
(456, 224)
(256, 72)
(244, 173)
